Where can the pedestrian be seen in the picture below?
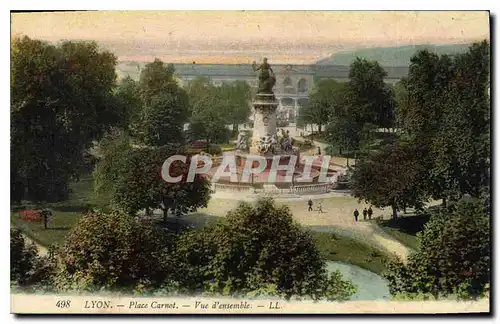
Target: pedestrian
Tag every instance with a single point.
(46, 214)
(356, 214)
(370, 213)
(365, 212)
(310, 204)
(320, 208)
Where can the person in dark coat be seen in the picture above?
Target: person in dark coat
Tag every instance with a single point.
(310, 204)
(370, 213)
(365, 212)
(356, 214)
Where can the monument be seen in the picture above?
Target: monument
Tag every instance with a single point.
(264, 141)
(265, 135)
(265, 105)
(275, 146)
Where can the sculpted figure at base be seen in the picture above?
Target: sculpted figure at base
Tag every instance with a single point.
(267, 79)
(242, 142)
(266, 144)
(286, 141)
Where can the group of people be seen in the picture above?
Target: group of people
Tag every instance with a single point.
(366, 212)
(310, 206)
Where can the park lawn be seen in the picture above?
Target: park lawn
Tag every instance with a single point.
(227, 147)
(334, 247)
(61, 223)
(407, 240)
(65, 213)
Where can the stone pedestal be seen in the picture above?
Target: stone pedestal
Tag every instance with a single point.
(265, 106)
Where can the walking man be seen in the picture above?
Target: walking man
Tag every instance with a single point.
(46, 214)
(310, 204)
(356, 214)
(365, 212)
(370, 213)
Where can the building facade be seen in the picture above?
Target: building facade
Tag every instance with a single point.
(293, 82)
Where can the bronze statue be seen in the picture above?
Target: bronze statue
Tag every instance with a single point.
(267, 79)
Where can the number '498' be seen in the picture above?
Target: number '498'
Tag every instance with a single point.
(63, 303)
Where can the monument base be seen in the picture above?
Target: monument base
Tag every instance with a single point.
(284, 159)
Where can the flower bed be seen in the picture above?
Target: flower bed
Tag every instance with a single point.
(31, 215)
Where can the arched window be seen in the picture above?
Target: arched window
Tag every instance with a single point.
(303, 102)
(302, 85)
(288, 86)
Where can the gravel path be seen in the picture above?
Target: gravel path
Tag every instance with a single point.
(336, 217)
(42, 250)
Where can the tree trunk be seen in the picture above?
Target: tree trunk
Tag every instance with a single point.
(165, 214)
(319, 128)
(394, 211)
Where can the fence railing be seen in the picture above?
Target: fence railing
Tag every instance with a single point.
(231, 188)
(297, 190)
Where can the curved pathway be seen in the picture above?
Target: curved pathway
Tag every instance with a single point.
(336, 217)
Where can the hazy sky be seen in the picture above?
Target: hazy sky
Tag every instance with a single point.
(242, 36)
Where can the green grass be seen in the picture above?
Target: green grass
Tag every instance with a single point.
(407, 240)
(65, 213)
(227, 147)
(61, 223)
(339, 248)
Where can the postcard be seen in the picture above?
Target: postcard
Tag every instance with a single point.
(250, 162)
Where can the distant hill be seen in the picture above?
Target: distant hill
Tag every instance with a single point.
(390, 56)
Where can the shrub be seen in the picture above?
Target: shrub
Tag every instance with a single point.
(257, 250)
(113, 251)
(23, 258)
(453, 256)
(214, 149)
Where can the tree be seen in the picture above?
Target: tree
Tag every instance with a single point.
(428, 79)
(61, 100)
(113, 251)
(392, 177)
(461, 147)
(128, 102)
(368, 99)
(401, 98)
(114, 146)
(235, 102)
(447, 110)
(257, 250)
(345, 133)
(324, 102)
(162, 120)
(208, 123)
(165, 106)
(140, 185)
(453, 255)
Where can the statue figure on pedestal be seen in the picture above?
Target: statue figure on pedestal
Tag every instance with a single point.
(242, 142)
(267, 79)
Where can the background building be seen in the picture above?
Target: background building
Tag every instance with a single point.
(293, 82)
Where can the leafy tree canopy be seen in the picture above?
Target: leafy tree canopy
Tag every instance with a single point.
(61, 100)
(453, 257)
